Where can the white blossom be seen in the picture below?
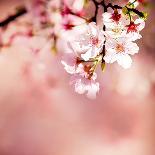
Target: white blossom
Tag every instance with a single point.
(119, 24)
(90, 43)
(84, 83)
(83, 78)
(119, 50)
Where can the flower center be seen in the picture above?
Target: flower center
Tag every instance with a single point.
(65, 11)
(132, 27)
(87, 69)
(117, 30)
(78, 61)
(94, 41)
(116, 16)
(119, 48)
(68, 26)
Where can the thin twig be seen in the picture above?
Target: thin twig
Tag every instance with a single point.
(11, 18)
(105, 7)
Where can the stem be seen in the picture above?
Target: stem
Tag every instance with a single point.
(129, 9)
(114, 6)
(74, 14)
(129, 14)
(88, 60)
(11, 18)
(95, 66)
(105, 8)
(133, 2)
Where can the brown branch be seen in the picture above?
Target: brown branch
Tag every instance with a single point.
(11, 18)
(129, 9)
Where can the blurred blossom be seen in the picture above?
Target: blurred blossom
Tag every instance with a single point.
(40, 114)
(134, 83)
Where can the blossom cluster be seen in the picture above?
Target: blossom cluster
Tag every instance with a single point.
(91, 40)
(114, 41)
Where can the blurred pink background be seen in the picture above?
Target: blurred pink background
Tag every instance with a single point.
(41, 115)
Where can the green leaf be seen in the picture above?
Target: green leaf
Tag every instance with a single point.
(125, 10)
(144, 15)
(131, 5)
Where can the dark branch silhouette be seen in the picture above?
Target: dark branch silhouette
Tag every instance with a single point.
(11, 18)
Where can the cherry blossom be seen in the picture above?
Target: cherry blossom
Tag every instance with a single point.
(85, 39)
(75, 5)
(83, 85)
(83, 78)
(91, 42)
(70, 63)
(119, 50)
(134, 28)
(109, 18)
(37, 9)
(84, 81)
(116, 27)
(114, 42)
